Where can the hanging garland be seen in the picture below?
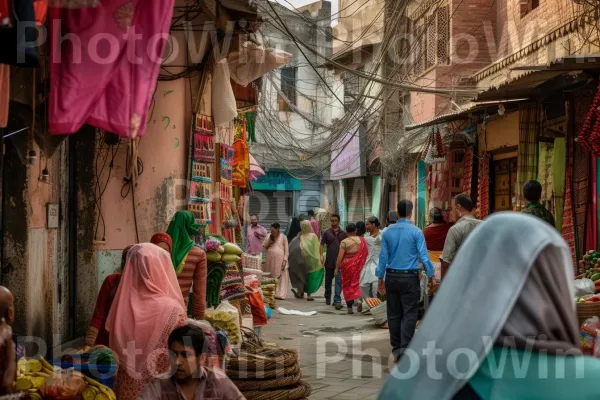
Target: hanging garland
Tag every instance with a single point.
(589, 137)
(434, 148)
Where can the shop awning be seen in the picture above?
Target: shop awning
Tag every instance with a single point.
(255, 169)
(489, 107)
(537, 81)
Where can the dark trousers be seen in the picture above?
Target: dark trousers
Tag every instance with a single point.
(329, 277)
(402, 293)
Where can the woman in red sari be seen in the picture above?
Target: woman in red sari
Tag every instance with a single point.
(350, 262)
(96, 333)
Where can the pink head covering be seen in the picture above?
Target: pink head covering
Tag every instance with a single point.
(147, 302)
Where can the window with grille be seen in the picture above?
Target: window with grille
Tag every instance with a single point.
(432, 39)
(443, 35)
(353, 85)
(288, 88)
(527, 6)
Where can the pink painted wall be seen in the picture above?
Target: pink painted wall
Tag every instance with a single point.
(161, 186)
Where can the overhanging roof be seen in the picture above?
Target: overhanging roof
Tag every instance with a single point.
(534, 80)
(464, 114)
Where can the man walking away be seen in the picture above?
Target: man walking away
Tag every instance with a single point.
(532, 191)
(314, 224)
(332, 238)
(255, 235)
(459, 232)
(392, 218)
(402, 247)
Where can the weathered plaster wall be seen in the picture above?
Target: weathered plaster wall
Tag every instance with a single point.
(30, 249)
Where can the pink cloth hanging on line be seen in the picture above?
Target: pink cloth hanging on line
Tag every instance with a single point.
(104, 65)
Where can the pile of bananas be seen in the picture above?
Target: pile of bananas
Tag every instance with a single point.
(226, 322)
(32, 375)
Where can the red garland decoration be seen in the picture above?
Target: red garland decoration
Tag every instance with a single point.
(439, 144)
(427, 145)
(589, 137)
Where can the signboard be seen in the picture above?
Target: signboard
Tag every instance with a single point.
(348, 159)
(276, 179)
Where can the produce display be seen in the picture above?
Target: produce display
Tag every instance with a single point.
(591, 265)
(226, 317)
(43, 381)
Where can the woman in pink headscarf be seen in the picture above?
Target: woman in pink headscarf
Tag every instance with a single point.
(147, 307)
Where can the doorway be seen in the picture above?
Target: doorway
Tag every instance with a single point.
(504, 183)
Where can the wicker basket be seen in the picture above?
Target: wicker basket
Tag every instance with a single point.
(300, 391)
(587, 310)
(267, 384)
(267, 374)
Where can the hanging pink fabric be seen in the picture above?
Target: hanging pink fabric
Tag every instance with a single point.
(104, 65)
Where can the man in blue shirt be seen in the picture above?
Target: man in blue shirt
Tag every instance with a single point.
(402, 247)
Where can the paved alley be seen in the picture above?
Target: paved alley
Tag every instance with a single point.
(342, 356)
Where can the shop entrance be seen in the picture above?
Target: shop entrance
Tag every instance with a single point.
(504, 183)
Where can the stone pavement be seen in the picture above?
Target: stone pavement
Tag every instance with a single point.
(342, 356)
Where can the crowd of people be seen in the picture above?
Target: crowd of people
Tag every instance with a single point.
(527, 310)
(142, 312)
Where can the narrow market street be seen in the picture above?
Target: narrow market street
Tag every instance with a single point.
(341, 356)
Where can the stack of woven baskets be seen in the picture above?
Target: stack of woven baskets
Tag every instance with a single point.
(267, 373)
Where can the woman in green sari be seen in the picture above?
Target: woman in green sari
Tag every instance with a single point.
(306, 271)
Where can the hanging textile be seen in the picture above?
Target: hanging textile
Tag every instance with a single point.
(421, 198)
(112, 92)
(568, 225)
(589, 132)
(250, 126)
(527, 160)
(558, 179)
(581, 173)
(40, 9)
(225, 161)
(468, 176)
(204, 142)
(483, 188)
(241, 163)
(591, 228)
(200, 191)
(202, 172)
(544, 173)
(4, 94)
(224, 133)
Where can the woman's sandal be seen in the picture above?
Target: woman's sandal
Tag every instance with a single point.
(297, 295)
(309, 298)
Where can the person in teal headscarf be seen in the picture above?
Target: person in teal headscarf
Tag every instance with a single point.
(182, 229)
(504, 326)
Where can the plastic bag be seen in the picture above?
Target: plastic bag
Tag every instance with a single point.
(251, 281)
(224, 107)
(589, 336)
(583, 287)
(259, 315)
(227, 318)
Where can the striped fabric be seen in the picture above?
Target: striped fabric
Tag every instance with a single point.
(527, 160)
(194, 273)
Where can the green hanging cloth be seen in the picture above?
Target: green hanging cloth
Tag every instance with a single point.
(250, 127)
(181, 229)
(558, 179)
